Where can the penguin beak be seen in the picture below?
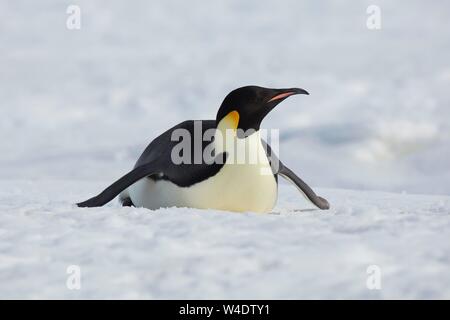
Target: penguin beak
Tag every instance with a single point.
(282, 94)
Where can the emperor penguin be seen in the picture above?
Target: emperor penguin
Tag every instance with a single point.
(221, 164)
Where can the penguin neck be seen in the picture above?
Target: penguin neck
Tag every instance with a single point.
(225, 137)
(248, 148)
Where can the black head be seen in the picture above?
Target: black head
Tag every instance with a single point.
(252, 104)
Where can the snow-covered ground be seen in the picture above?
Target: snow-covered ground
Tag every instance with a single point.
(78, 106)
(186, 253)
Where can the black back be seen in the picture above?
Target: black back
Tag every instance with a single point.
(159, 151)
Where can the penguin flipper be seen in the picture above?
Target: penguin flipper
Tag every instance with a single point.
(117, 187)
(278, 168)
(289, 175)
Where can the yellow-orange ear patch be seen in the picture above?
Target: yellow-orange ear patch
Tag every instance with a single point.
(232, 119)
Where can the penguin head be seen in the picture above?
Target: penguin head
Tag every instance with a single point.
(244, 108)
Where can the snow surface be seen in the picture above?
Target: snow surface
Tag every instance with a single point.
(187, 253)
(78, 107)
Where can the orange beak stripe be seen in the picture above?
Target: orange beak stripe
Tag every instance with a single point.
(281, 96)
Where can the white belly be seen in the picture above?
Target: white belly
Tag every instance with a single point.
(236, 187)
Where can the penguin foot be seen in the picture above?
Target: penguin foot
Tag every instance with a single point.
(126, 202)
